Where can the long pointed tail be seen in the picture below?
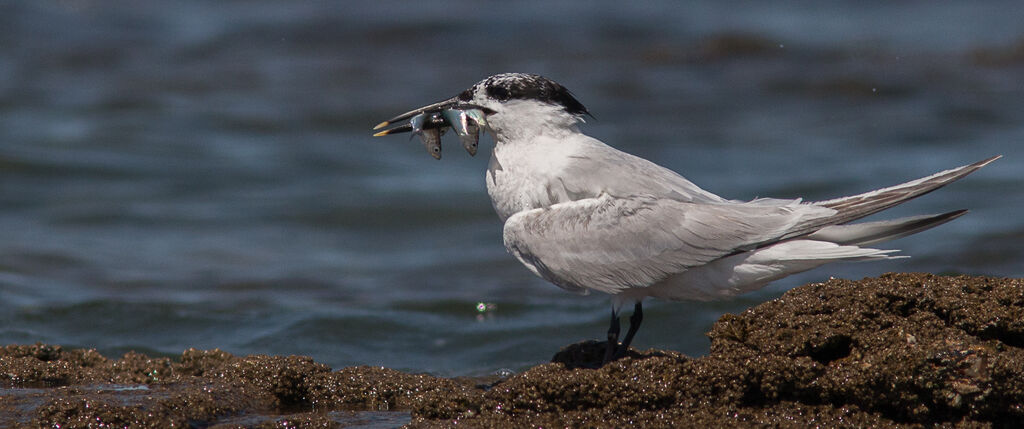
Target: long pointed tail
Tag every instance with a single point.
(857, 206)
(863, 234)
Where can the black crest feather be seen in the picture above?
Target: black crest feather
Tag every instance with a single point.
(522, 86)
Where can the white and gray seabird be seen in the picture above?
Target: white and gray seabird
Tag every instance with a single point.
(586, 216)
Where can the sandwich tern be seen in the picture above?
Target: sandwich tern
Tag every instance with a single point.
(586, 216)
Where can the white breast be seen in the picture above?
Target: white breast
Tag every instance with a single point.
(525, 176)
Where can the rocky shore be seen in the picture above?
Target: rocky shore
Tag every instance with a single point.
(901, 350)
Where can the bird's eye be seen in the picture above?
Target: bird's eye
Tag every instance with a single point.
(499, 93)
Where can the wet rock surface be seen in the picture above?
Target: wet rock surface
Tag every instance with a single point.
(901, 350)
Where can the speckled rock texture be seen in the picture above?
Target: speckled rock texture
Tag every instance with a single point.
(901, 350)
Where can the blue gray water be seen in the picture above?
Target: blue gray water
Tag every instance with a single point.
(201, 174)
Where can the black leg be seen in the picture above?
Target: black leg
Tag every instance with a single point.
(634, 325)
(613, 338)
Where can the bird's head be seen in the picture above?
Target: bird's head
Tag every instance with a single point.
(515, 105)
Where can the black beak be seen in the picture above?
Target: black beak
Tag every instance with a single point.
(451, 103)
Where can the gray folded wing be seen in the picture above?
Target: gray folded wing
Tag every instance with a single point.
(610, 244)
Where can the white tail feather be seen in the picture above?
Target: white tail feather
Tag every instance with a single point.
(749, 271)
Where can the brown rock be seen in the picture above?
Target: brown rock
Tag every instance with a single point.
(901, 350)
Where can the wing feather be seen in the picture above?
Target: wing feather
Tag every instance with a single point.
(610, 244)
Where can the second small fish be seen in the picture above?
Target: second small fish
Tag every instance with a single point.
(466, 128)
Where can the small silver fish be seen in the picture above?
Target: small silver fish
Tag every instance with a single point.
(432, 141)
(426, 126)
(466, 128)
(477, 115)
(416, 122)
(429, 126)
(477, 120)
(458, 120)
(471, 140)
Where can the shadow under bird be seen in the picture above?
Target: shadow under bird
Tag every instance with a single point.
(586, 216)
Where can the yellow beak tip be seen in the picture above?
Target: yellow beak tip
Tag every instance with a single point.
(380, 134)
(381, 125)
